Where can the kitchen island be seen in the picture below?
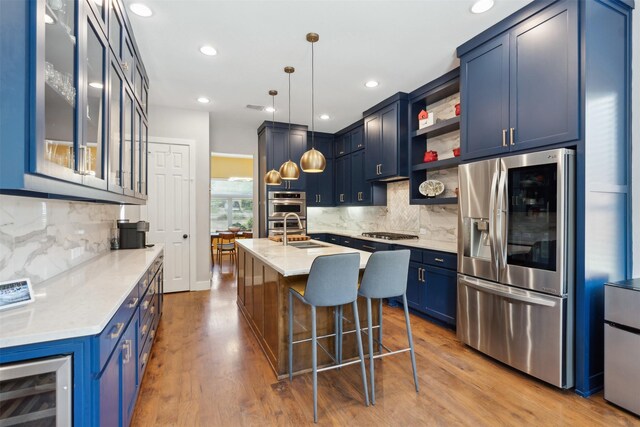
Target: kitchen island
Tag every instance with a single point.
(265, 272)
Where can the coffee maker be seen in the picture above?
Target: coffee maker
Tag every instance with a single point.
(132, 234)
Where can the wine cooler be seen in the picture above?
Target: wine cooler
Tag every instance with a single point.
(36, 393)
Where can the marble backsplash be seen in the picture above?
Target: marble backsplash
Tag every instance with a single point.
(438, 222)
(40, 238)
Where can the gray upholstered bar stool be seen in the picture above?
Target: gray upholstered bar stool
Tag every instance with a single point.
(386, 277)
(332, 282)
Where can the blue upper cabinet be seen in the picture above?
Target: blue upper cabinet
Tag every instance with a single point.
(356, 139)
(544, 84)
(386, 139)
(320, 185)
(485, 99)
(65, 102)
(520, 89)
(280, 144)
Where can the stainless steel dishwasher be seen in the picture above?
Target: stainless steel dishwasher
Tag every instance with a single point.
(622, 344)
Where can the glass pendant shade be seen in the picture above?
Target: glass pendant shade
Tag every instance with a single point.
(289, 171)
(273, 178)
(313, 161)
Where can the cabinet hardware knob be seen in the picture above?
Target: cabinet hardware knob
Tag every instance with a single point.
(144, 329)
(145, 304)
(144, 358)
(511, 130)
(504, 137)
(133, 303)
(369, 247)
(438, 259)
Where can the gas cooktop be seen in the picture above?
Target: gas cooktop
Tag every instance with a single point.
(389, 236)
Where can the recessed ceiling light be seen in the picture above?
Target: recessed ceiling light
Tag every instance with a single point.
(270, 110)
(204, 100)
(208, 50)
(481, 6)
(96, 85)
(140, 9)
(371, 83)
(324, 117)
(48, 19)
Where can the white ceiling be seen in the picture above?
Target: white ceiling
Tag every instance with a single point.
(402, 44)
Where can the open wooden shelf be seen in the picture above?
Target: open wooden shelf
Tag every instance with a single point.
(438, 129)
(435, 201)
(438, 164)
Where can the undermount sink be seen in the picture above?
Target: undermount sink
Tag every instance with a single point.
(307, 245)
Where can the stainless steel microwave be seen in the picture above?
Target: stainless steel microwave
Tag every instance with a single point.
(284, 202)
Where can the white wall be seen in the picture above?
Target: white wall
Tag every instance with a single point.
(232, 138)
(635, 123)
(166, 122)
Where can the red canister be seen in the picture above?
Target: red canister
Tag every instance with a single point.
(457, 109)
(430, 156)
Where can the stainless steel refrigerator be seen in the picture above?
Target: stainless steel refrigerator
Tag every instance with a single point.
(516, 261)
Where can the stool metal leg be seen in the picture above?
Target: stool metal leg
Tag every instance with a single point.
(290, 336)
(336, 321)
(370, 339)
(380, 329)
(413, 355)
(314, 362)
(340, 320)
(360, 352)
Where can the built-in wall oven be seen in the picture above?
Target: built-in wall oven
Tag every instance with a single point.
(516, 261)
(284, 202)
(281, 203)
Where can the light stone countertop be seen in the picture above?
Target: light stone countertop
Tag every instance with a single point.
(79, 302)
(292, 261)
(435, 245)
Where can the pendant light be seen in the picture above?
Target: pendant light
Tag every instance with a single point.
(289, 170)
(273, 176)
(312, 161)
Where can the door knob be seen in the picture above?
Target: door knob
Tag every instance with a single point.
(184, 236)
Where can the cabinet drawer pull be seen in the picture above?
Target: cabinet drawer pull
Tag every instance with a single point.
(144, 329)
(152, 333)
(144, 358)
(145, 304)
(511, 130)
(438, 259)
(347, 242)
(133, 302)
(116, 330)
(126, 347)
(504, 137)
(369, 247)
(319, 198)
(153, 309)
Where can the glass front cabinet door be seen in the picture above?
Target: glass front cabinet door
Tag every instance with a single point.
(84, 117)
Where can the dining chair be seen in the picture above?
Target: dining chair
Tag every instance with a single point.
(226, 244)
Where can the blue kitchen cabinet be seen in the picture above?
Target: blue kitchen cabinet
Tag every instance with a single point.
(109, 392)
(485, 99)
(356, 139)
(440, 290)
(320, 186)
(279, 145)
(386, 139)
(520, 89)
(360, 188)
(129, 369)
(343, 180)
(61, 125)
(342, 145)
(415, 287)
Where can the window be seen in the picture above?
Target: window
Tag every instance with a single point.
(231, 204)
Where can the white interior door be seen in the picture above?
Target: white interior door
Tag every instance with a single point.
(168, 210)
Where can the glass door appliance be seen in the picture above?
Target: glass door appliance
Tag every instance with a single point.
(36, 392)
(516, 259)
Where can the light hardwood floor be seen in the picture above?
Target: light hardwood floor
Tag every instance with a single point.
(207, 369)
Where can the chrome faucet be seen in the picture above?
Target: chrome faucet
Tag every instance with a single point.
(285, 238)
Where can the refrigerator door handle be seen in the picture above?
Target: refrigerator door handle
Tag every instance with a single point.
(507, 292)
(501, 213)
(493, 224)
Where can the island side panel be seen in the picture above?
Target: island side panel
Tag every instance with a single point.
(240, 275)
(271, 318)
(258, 297)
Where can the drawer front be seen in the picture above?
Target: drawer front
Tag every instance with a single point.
(156, 266)
(368, 246)
(144, 357)
(146, 322)
(109, 337)
(416, 254)
(621, 374)
(440, 259)
(347, 241)
(146, 301)
(621, 306)
(143, 284)
(332, 238)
